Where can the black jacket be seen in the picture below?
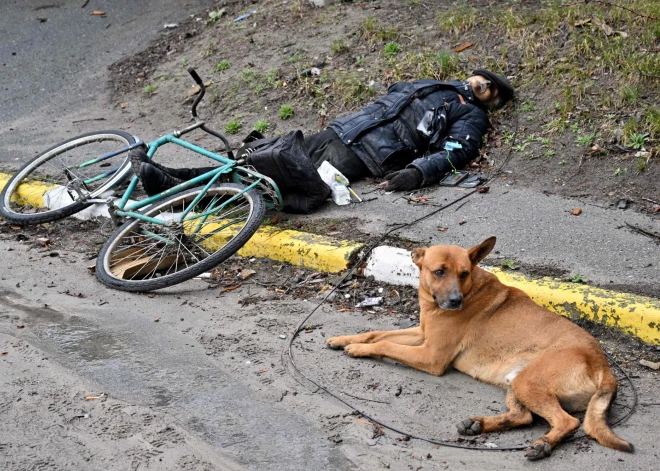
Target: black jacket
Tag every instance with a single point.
(386, 137)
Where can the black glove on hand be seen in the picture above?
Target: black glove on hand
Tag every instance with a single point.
(404, 180)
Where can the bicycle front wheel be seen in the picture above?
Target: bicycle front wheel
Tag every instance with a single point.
(55, 184)
(168, 248)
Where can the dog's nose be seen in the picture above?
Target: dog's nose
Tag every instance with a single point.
(455, 300)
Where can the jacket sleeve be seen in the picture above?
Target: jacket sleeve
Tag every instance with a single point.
(466, 126)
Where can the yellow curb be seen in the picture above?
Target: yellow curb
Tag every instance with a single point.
(30, 194)
(301, 249)
(636, 315)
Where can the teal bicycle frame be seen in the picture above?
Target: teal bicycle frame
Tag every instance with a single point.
(236, 173)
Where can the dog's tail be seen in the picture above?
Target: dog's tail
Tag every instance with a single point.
(595, 421)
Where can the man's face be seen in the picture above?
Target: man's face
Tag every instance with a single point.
(484, 90)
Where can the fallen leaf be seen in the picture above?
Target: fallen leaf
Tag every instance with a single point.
(123, 105)
(576, 211)
(98, 12)
(230, 288)
(656, 209)
(196, 89)
(483, 189)
(245, 274)
(609, 31)
(463, 47)
(654, 365)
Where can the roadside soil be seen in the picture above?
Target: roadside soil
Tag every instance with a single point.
(542, 143)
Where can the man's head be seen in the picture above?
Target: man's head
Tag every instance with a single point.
(490, 89)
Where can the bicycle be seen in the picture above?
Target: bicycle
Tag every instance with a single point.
(160, 240)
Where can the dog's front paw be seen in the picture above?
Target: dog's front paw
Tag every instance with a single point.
(358, 350)
(469, 427)
(538, 450)
(337, 342)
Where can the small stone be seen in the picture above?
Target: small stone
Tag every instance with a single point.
(282, 336)
(654, 365)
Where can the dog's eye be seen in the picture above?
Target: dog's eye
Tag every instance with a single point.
(464, 275)
(440, 273)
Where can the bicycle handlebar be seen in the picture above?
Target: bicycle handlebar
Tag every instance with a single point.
(202, 90)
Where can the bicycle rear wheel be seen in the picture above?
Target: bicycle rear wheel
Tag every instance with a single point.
(145, 256)
(49, 187)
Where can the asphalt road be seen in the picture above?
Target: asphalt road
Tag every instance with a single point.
(54, 59)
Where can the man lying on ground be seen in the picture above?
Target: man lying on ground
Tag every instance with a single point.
(412, 137)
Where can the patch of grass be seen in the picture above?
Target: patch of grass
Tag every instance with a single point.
(262, 126)
(586, 139)
(339, 47)
(374, 32)
(150, 89)
(286, 112)
(642, 162)
(576, 278)
(215, 15)
(629, 94)
(184, 63)
(351, 89)
(222, 65)
(233, 126)
(509, 265)
(297, 57)
(527, 106)
(637, 140)
(392, 49)
(249, 75)
(458, 19)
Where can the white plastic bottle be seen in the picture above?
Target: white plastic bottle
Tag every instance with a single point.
(340, 194)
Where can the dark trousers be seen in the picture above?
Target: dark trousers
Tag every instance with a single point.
(327, 146)
(321, 147)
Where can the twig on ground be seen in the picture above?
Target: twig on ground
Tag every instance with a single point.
(650, 200)
(643, 232)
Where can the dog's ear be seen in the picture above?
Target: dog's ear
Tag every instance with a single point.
(418, 255)
(479, 252)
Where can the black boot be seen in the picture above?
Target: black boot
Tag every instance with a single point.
(139, 156)
(154, 180)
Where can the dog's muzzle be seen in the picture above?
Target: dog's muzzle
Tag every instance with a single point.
(454, 302)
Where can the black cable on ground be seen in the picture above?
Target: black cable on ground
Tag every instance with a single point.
(299, 328)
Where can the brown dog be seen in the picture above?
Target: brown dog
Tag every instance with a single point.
(497, 334)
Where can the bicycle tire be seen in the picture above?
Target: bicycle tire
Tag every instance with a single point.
(129, 244)
(11, 199)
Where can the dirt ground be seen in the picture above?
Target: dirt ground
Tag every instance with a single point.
(263, 55)
(69, 344)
